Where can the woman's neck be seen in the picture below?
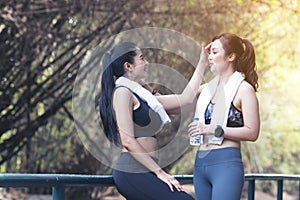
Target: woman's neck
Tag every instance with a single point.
(225, 77)
(131, 78)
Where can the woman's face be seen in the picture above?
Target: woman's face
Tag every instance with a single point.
(140, 65)
(216, 58)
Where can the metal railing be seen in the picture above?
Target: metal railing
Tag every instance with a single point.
(58, 182)
(251, 178)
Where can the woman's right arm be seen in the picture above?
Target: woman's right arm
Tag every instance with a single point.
(174, 102)
(123, 105)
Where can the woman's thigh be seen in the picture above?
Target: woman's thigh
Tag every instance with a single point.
(227, 181)
(145, 186)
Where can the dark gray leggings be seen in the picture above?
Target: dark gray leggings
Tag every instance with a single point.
(219, 174)
(135, 182)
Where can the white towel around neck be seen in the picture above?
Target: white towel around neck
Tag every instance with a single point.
(144, 94)
(222, 104)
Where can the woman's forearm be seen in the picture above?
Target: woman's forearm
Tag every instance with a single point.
(241, 134)
(141, 155)
(189, 94)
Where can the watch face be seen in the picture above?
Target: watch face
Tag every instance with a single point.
(219, 131)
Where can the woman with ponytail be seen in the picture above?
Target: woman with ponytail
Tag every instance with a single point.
(228, 112)
(132, 115)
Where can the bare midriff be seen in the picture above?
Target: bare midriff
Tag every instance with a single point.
(149, 144)
(225, 143)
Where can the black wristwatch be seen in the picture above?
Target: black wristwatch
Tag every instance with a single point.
(219, 131)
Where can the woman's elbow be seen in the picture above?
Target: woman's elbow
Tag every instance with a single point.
(127, 142)
(254, 136)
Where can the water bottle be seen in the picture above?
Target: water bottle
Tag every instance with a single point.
(198, 139)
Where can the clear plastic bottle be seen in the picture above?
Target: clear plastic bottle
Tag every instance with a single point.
(198, 139)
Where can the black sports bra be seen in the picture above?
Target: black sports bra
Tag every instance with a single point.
(235, 117)
(146, 121)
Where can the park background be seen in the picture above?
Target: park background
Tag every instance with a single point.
(43, 43)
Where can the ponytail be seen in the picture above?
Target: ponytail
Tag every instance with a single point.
(247, 65)
(113, 67)
(105, 102)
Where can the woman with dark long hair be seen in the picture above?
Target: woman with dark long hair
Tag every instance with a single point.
(132, 115)
(228, 114)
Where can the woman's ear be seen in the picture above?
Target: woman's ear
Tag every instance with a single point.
(128, 67)
(231, 57)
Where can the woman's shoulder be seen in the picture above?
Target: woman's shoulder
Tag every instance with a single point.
(246, 87)
(122, 92)
(245, 90)
(123, 98)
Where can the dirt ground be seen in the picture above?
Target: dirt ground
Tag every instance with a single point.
(259, 195)
(16, 194)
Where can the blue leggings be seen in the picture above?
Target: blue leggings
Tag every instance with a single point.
(219, 174)
(135, 183)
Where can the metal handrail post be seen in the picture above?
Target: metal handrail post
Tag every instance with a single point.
(58, 193)
(279, 189)
(251, 189)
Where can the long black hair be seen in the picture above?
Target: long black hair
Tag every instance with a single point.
(113, 67)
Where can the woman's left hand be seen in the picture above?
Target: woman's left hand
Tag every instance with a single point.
(197, 128)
